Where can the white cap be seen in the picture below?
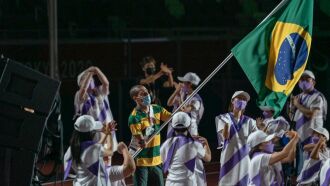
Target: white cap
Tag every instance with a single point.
(86, 123)
(190, 77)
(180, 120)
(243, 93)
(266, 108)
(308, 73)
(258, 137)
(320, 130)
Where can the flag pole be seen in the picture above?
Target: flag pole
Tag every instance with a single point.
(279, 6)
(206, 80)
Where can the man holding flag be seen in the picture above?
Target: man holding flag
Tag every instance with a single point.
(310, 111)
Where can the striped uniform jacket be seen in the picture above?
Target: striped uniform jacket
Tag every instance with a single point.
(98, 107)
(234, 159)
(313, 100)
(138, 122)
(325, 174)
(311, 169)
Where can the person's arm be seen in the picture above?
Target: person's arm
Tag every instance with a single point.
(135, 127)
(309, 113)
(141, 140)
(291, 156)
(260, 124)
(170, 82)
(151, 78)
(225, 132)
(106, 137)
(276, 157)
(172, 99)
(168, 72)
(128, 164)
(316, 149)
(187, 108)
(309, 147)
(164, 115)
(207, 157)
(103, 79)
(84, 85)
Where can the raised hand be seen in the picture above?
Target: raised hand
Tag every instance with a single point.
(260, 124)
(112, 125)
(121, 147)
(293, 135)
(165, 69)
(295, 100)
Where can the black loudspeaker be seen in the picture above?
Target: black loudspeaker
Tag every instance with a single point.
(23, 86)
(20, 129)
(26, 99)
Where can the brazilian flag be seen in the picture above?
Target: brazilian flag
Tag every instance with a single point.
(274, 55)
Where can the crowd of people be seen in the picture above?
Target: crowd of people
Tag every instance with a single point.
(262, 151)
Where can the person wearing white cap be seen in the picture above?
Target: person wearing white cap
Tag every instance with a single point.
(233, 128)
(319, 153)
(195, 107)
(86, 156)
(92, 98)
(180, 152)
(277, 126)
(265, 167)
(309, 108)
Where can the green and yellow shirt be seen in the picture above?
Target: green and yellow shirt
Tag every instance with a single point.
(138, 121)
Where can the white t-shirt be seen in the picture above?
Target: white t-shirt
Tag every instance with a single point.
(186, 152)
(261, 173)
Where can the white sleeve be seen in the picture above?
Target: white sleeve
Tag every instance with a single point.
(195, 104)
(116, 173)
(265, 158)
(77, 104)
(67, 155)
(200, 150)
(317, 103)
(219, 123)
(163, 151)
(324, 174)
(67, 158)
(253, 125)
(102, 90)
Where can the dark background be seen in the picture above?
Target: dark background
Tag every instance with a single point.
(188, 35)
